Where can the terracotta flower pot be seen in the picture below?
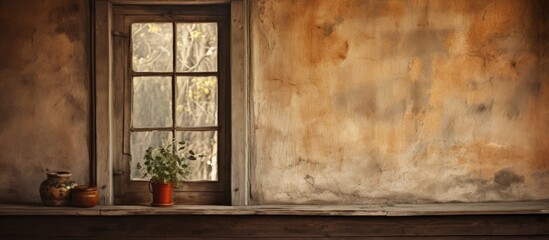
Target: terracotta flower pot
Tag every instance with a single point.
(56, 189)
(162, 194)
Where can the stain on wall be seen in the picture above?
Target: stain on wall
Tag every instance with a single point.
(374, 101)
(44, 104)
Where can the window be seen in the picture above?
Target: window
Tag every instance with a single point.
(171, 80)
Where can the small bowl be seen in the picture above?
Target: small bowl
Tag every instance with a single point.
(85, 196)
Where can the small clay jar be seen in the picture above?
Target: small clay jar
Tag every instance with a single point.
(85, 196)
(56, 189)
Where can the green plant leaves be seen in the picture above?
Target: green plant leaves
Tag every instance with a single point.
(166, 164)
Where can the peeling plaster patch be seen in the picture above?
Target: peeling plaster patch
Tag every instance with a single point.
(481, 108)
(506, 177)
(329, 28)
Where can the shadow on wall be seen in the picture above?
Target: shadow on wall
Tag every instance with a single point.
(44, 105)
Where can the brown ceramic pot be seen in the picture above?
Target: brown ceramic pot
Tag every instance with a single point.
(162, 194)
(56, 189)
(85, 196)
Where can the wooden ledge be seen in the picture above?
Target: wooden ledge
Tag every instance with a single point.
(299, 210)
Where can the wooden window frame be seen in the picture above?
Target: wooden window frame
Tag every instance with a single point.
(105, 127)
(195, 192)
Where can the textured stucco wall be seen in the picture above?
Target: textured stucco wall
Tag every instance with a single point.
(355, 101)
(374, 101)
(44, 99)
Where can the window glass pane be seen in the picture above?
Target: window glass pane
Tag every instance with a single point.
(152, 47)
(196, 47)
(139, 142)
(196, 101)
(152, 102)
(205, 143)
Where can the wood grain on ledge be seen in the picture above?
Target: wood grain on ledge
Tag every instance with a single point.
(299, 210)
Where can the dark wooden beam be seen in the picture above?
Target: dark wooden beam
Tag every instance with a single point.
(220, 226)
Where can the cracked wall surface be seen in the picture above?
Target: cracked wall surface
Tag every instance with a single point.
(354, 101)
(44, 103)
(399, 101)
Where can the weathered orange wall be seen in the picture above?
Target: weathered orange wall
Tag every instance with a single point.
(355, 101)
(375, 101)
(44, 99)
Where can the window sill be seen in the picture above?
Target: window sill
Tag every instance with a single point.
(298, 210)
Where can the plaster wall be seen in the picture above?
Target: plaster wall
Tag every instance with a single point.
(353, 101)
(44, 99)
(371, 101)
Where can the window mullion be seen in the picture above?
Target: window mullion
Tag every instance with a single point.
(151, 74)
(179, 74)
(174, 60)
(150, 129)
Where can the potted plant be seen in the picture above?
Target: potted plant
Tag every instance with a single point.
(166, 165)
